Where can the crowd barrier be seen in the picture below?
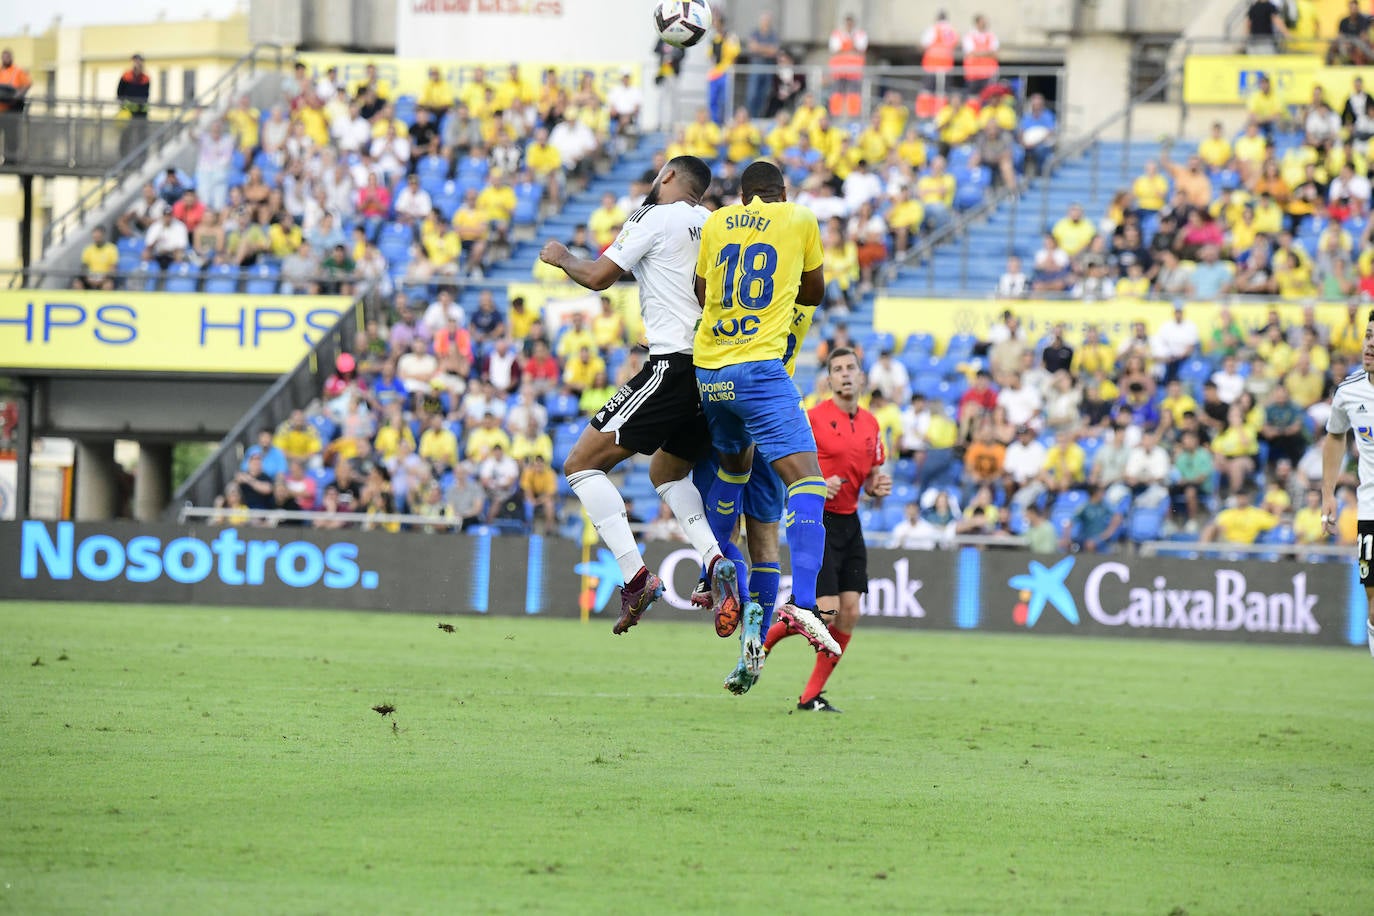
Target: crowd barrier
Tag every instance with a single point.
(445, 574)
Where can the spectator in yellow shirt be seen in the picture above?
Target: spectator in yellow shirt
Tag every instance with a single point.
(912, 149)
(99, 260)
(485, 437)
(575, 338)
(497, 198)
(1151, 189)
(438, 444)
(1216, 149)
(513, 90)
(474, 93)
(244, 123)
(608, 328)
(892, 117)
(1241, 524)
(807, 114)
(284, 236)
(436, 95)
(1266, 108)
(742, 138)
(703, 136)
(521, 318)
(782, 137)
(530, 442)
(935, 190)
(606, 221)
(472, 224)
(1074, 232)
(904, 219)
(840, 267)
(1094, 356)
(581, 371)
(827, 138)
(872, 143)
(958, 120)
(297, 439)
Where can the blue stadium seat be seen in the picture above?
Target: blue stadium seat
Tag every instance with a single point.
(447, 201)
(562, 407)
(262, 280)
(1146, 524)
(222, 279)
(182, 278)
(145, 276)
(920, 343)
(961, 346)
(404, 108)
(130, 244)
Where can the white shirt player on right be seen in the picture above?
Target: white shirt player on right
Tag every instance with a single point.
(1352, 409)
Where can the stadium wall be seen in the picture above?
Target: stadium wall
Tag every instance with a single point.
(1009, 591)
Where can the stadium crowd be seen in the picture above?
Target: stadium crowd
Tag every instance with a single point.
(464, 414)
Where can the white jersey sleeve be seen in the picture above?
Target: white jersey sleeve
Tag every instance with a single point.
(638, 239)
(1338, 422)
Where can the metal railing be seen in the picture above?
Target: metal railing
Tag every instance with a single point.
(299, 386)
(1193, 549)
(276, 517)
(167, 133)
(156, 279)
(1089, 143)
(876, 80)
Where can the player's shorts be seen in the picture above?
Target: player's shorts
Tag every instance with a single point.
(845, 568)
(1364, 551)
(764, 495)
(658, 408)
(755, 402)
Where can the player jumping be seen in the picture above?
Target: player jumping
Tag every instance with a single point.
(757, 261)
(851, 453)
(658, 412)
(1352, 406)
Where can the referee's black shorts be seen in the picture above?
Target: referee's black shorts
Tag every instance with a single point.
(659, 408)
(845, 568)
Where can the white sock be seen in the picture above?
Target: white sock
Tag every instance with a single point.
(685, 501)
(606, 508)
(1369, 628)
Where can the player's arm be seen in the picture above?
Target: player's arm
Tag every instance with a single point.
(812, 291)
(700, 288)
(594, 275)
(1333, 459)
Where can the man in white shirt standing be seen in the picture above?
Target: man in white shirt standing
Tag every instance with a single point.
(625, 102)
(1352, 408)
(1174, 342)
(890, 377)
(413, 202)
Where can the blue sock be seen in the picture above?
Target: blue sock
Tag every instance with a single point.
(723, 507)
(806, 537)
(763, 588)
(736, 556)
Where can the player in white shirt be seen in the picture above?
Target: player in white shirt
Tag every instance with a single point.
(658, 412)
(1352, 408)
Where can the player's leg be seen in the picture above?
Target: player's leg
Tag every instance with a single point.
(734, 453)
(1369, 625)
(847, 558)
(771, 409)
(631, 422)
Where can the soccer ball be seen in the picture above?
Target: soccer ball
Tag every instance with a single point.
(682, 23)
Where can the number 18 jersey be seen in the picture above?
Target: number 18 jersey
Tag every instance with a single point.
(752, 258)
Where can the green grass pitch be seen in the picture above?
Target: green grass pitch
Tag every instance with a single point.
(178, 760)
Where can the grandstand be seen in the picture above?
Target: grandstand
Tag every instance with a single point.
(432, 216)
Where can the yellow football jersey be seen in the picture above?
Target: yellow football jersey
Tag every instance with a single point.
(752, 258)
